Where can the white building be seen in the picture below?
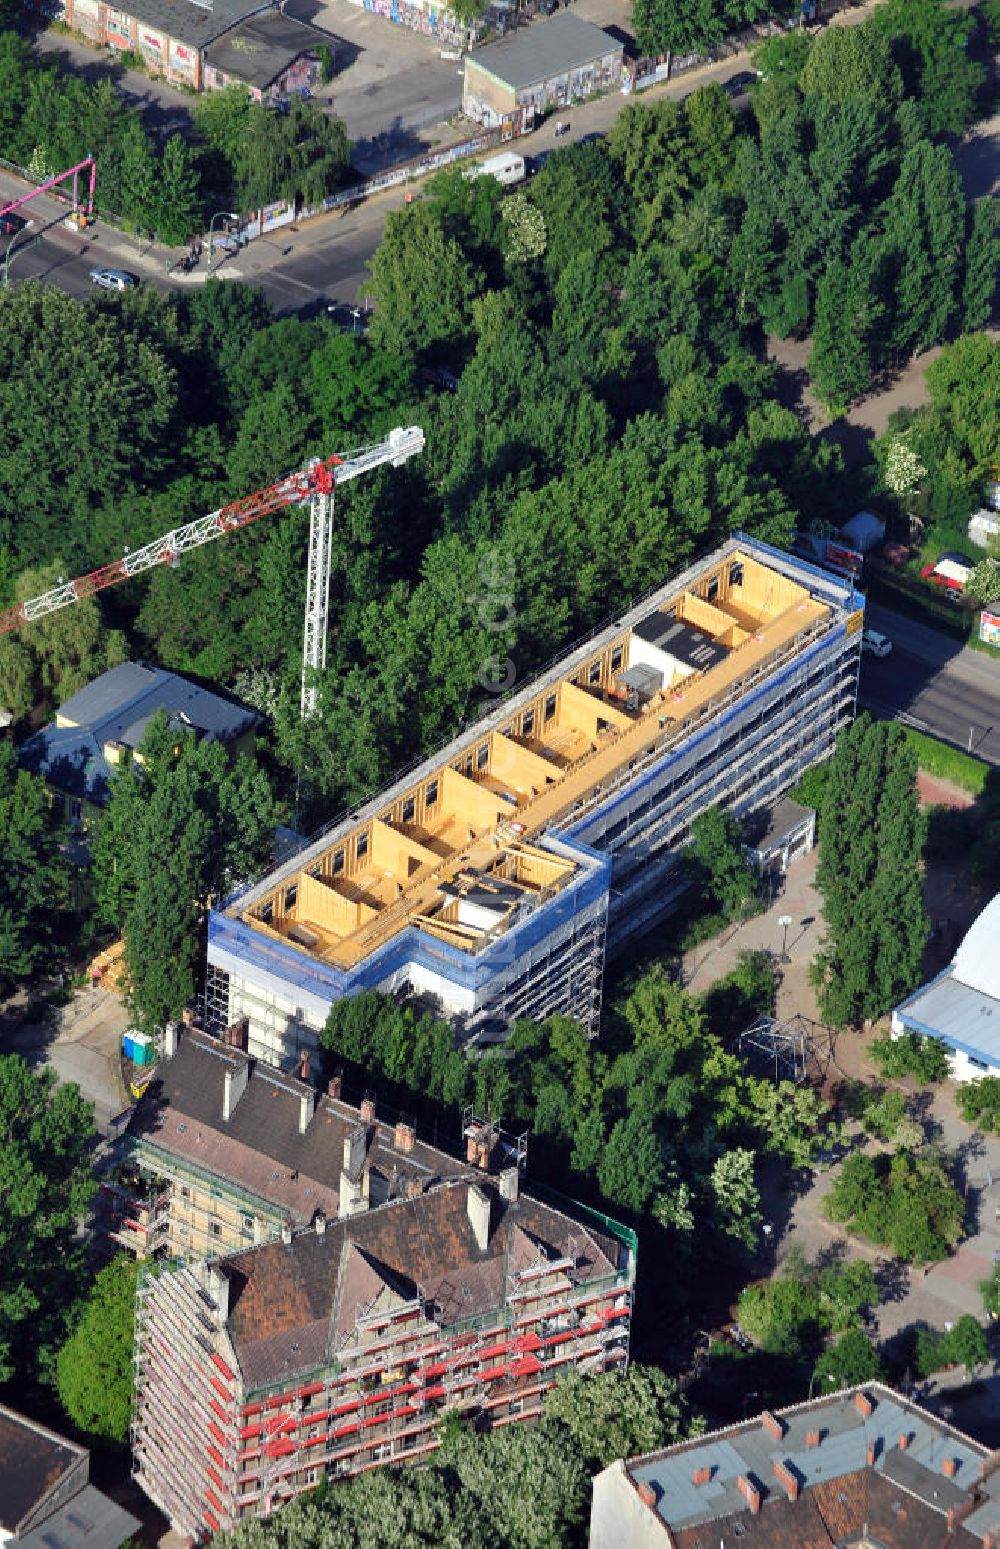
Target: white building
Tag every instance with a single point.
(962, 1005)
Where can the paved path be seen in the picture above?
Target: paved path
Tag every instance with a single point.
(82, 1046)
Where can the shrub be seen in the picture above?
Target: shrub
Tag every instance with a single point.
(911, 1055)
(905, 1201)
(980, 1102)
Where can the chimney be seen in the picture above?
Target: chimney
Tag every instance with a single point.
(405, 1137)
(320, 1223)
(335, 1085)
(368, 1109)
(949, 1468)
(991, 1538)
(218, 1290)
(866, 1406)
(171, 1033)
(750, 1492)
(355, 1150)
(904, 1440)
(773, 1425)
(510, 1180)
(233, 1086)
(307, 1104)
(414, 1188)
(646, 1494)
(305, 1065)
(701, 1475)
(813, 1438)
(788, 1481)
(478, 1206)
(286, 1234)
(872, 1453)
(237, 1034)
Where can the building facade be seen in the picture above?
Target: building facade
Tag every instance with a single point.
(551, 64)
(495, 876)
(858, 1469)
(961, 1007)
(226, 1153)
(337, 1348)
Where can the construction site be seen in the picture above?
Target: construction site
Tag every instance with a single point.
(495, 878)
(338, 1347)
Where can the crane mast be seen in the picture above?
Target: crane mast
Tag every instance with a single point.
(316, 482)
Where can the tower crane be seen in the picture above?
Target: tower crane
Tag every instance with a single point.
(315, 483)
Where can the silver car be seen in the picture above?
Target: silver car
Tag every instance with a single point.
(113, 279)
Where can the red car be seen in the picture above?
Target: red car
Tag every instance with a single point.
(950, 571)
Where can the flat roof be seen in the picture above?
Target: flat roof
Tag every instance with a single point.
(258, 50)
(680, 640)
(533, 54)
(484, 811)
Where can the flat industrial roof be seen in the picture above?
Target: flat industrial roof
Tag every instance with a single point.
(959, 1015)
(548, 48)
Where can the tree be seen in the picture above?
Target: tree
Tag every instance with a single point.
(964, 387)
(930, 41)
(851, 1360)
(982, 261)
(177, 210)
(177, 832)
(925, 221)
(95, 1377)
(423, 283)
(846, 62)
(984, 582)
(33, 884)
(524, 229)
(905, 1201)
(737, 1197)
(793, 1120)
(620, 1414)
(46, 1184)
(840, 362)
(967, 1344)
(869, 874)
(60, 653)
(716, 853)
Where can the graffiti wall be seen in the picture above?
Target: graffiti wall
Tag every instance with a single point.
(429, 19)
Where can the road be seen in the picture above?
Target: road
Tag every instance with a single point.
(931, 682)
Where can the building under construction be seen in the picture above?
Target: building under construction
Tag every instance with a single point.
(495, 876)
(337, 1348)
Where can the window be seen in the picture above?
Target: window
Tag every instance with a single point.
(408, 809)
(247, 1223)
(338, 862)
(550, 706)
(713, 589)
(736, 574)
(185, 1191)
(617, 657)
(267, 912)
(291, 893)
(431, 794)
(314, 871)
(528, 723)
(483, 756)
(594, 673)
(979, 1064)
(361, 847)
(216, 1229)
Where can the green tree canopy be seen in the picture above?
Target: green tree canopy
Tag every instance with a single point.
(46, 1132)
(95, 1377)
(33, 877)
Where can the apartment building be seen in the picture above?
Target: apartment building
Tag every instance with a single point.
(863, 1468)
(496, 876)
(233, 1152)
(336, 1348)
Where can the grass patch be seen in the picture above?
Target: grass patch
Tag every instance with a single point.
(919, 600)
(947, 763)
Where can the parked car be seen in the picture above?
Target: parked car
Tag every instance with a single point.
(875, 644)
(113, 279)
(740, 83)
(950, 571)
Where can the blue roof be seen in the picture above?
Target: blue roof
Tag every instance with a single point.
(118, 707)
(961, 1016)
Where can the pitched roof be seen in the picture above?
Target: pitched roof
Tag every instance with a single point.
(260, 1148)
(32, 1462)
(904, 1496)
(194, 21)
(548, 48)
(283, 1294)
(262, 48)
(118, 707)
